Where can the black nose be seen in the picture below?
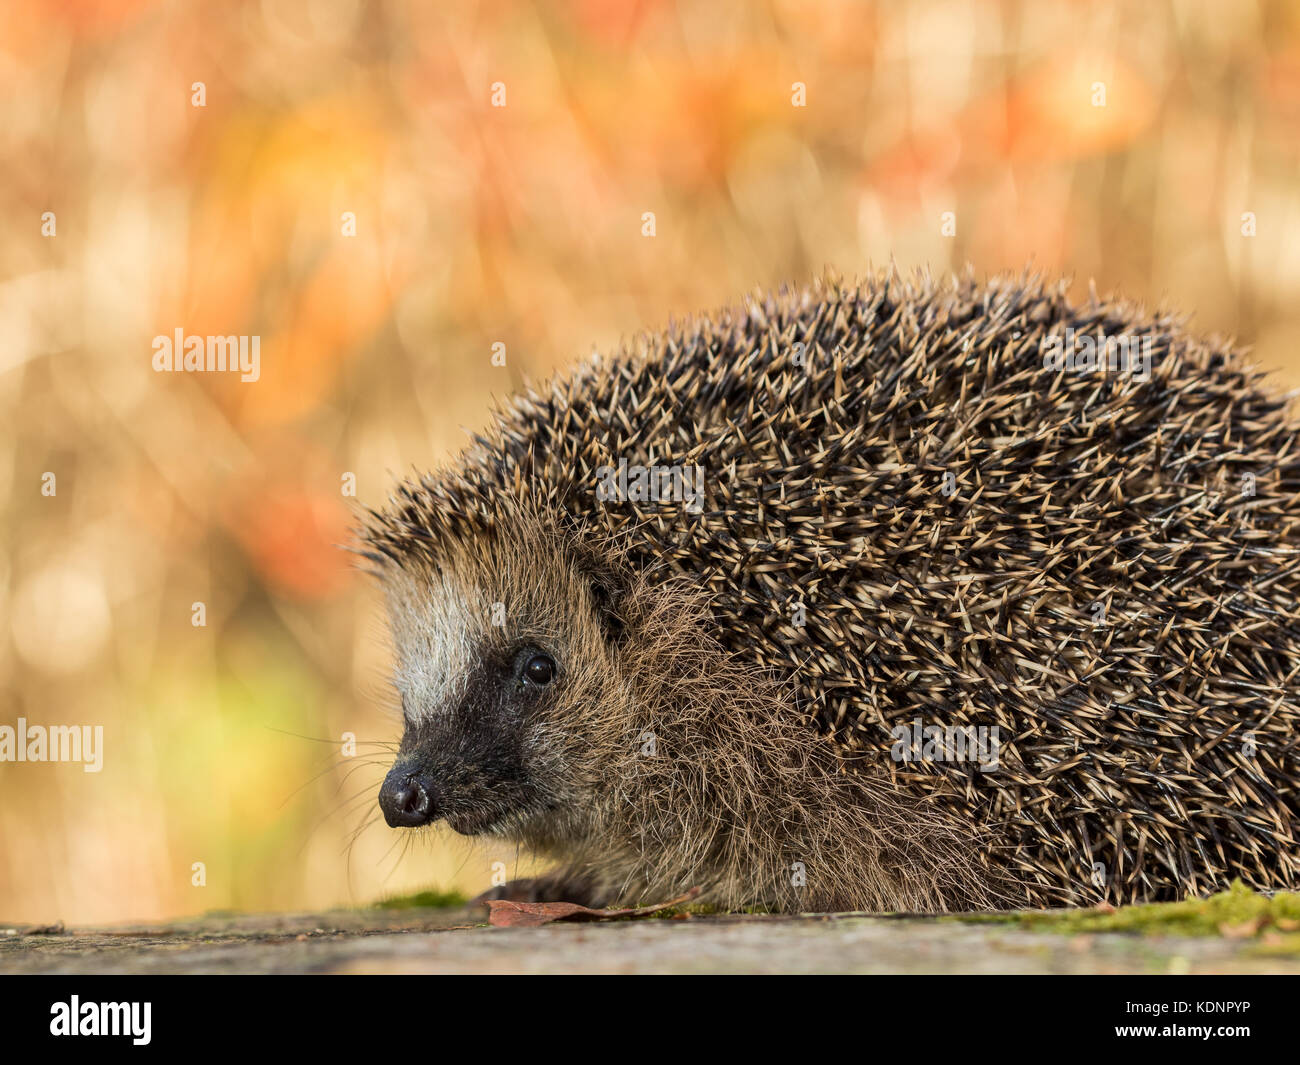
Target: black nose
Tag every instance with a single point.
(404, 799)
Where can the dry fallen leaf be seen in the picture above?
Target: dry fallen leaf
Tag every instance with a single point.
(1245, 930)
(507, 914)
(45, 930)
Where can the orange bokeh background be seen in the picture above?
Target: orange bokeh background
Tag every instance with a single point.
(477, 225)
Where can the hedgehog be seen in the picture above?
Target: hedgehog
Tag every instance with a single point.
(888, 595)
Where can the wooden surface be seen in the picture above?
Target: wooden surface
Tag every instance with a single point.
(458, 941)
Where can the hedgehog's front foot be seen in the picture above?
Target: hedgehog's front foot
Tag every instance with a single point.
(555, 887)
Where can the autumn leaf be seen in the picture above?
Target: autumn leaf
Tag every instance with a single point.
(506, 914)
(1244, 930)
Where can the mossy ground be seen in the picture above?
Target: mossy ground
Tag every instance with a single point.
(1237, 913)
(1271, 921)
(423, 900)
(1237, 932)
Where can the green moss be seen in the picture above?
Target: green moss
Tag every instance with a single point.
(1236, 913)
(695, 910)
(705, 909)
(423, 900)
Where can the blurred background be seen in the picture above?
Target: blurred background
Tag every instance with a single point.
(333, 177)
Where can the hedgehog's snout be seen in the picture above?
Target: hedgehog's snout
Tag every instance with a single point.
(406, 799)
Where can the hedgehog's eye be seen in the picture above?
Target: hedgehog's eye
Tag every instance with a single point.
(539, 670)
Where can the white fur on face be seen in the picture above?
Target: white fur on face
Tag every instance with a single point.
(435, 632)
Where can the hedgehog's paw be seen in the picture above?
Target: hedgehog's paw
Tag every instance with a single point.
(557, 887)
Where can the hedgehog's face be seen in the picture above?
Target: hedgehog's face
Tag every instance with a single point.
(507, 680)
